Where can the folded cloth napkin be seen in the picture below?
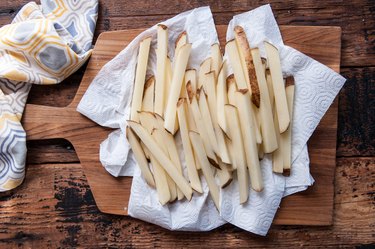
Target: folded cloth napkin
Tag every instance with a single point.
(107, 102)
(43, 45)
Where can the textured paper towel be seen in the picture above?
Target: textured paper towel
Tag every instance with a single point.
(107, 102)
(316, 86)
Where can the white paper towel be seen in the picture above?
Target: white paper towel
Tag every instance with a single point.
(107, 102)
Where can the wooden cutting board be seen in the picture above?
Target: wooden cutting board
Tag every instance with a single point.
(311, 207)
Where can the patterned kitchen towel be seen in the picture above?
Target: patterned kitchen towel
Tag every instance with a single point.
(43, 45)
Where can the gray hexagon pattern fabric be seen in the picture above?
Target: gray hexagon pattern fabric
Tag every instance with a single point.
(43, 45)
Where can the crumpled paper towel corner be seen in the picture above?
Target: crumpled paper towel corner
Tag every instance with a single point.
(107, 102)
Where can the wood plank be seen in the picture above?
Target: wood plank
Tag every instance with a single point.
(356, 132)
(50, 151)
(55, 208)
(356, 18)
(112, 194)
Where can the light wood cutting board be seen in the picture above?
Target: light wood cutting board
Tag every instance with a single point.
(312, 207)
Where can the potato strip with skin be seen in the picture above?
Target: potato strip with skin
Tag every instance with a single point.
(278, 86)
(188, 150)
(177, 80)
(162, 158)
(140, 76)
(140, 157)
(206, 168)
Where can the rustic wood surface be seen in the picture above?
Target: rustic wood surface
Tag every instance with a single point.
(55, 207)
(312, 207)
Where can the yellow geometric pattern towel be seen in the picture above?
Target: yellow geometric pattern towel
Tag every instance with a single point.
(43, 45)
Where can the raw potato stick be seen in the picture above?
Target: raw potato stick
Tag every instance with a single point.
(177, 80)
(148, 121)
(204, 109)
(193, 104)
(171, 148)
(235, 61)
(247, 64)
(148, 95)
(188, 150)
(191, 82)
(217, 59)
(286, 137)
(161, 181)
(277, 155)
(249, 138)
(210, 90)
(180, 41)
(278, 86)
(161, 62)
(158, 136)
(140, 76)
(206, 168)
(265, 111)
(162, 158)
(222, 97)
(270, 88)
(224, 174)
(204, 68)
(168, 79)
(140, 157)
(238, 147)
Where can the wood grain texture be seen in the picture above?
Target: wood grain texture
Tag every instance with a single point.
(66, 200)
(313, 207)
(356, 136)
(55, 208)
(357, 18)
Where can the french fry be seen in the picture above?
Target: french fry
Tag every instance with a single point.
(247, 64)
(278, 86)
(168, 79)
(140, 157)
(161, 62)
(204, 109)
(222, 97)
(204, 68)
(140, 76)
(231, 152)
(235, 61)
(249, 138)
(210, 89)
(270, 88)
(198, 147)
(224, 174)
(186, 144)
(191, 78)
(201, 127)
(257, 124)
(161, 181)
(171, 148)
(265, 110)
(232, 89)
(238, 147)
(149, 122)
(286, 137)
(217, 59)
(148, 95)
(177, 80)
(162, 158)
(159, 136)
(277, 155)
(180, 41)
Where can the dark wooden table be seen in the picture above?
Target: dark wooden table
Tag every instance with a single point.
(55, 207)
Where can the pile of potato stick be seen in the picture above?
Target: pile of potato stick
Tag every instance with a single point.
(226, 123)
